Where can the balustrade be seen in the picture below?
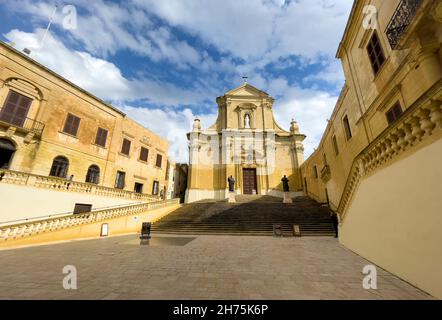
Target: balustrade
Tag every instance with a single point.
(58, 184)
(413, 127)
(53, 224)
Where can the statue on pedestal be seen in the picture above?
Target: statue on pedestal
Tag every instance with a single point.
(285, 184)
(231, 181)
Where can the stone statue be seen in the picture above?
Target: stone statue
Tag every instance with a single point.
(231, 181)
(285, 183)
(247, 121)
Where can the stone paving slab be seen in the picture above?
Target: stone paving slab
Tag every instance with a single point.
(200, 267)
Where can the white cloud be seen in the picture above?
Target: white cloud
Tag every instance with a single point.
(309, 107)
(332, 73)
(257, 31)
(99, 76)
(105, 28)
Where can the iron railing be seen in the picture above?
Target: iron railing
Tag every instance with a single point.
(27, 124)
(404, 14)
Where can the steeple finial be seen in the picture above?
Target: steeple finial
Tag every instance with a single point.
(245, 79)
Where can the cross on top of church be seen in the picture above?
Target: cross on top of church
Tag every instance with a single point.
(245, 78)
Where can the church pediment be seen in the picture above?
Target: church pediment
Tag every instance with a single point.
(246, 90)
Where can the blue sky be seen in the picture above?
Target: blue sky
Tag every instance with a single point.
(165, 62)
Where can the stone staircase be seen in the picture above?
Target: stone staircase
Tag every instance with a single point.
(251, 215)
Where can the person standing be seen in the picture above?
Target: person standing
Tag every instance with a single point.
(70, 179)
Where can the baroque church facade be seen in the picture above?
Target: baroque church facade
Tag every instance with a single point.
(247, 144)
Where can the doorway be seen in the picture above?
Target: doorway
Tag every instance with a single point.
(7, 150)
(138, 187)
(120, 180)
(249, 181)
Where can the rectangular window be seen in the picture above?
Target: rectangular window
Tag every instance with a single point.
(138, 188)
(159, 160)
(120, 180)
(335, 145)
(101, 137)
(347, 128)
(375, 53)
(394, 113)
(125, 148)
(155, 188)
(315, 172)
(15, 109)
(71, 125)
(144, 154)
(325, 158)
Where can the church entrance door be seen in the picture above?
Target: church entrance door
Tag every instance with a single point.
(249, 181)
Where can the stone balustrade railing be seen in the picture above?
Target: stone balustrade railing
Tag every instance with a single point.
(58, 184)
(22, 230)
(416, 124)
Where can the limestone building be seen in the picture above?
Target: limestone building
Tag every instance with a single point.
(51, 127)
(378, 163)
(246, 143)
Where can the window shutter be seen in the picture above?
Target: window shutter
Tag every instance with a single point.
(159, 160)
(125, 149)
(101, 137)
(144, 154)
(16, 108)
(71, 125)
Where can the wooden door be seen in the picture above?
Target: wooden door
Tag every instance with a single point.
(249, 181)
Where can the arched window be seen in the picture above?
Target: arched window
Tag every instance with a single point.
(59, 167)
(93, 174)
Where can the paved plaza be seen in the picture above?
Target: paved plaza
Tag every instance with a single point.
(199, 267)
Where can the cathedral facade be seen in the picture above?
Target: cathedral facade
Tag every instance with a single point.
(247, 144)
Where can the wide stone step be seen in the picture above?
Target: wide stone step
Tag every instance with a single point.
(248, 225)
(253, 216)
(242, 233)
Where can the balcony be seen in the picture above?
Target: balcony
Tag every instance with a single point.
(24, 124)
(402, 18)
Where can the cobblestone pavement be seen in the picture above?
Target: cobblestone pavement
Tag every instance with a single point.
(203, 267)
